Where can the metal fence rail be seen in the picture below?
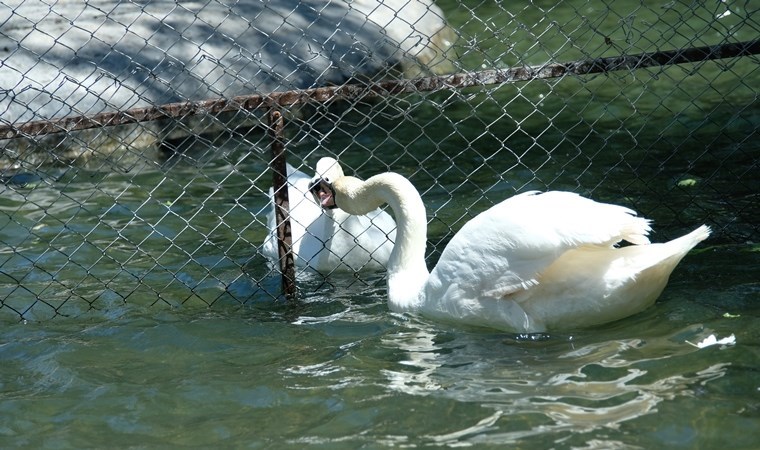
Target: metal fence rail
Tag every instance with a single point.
(381, 89)
(166, 203)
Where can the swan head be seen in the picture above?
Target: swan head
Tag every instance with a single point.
(321, 186)
(332, 189)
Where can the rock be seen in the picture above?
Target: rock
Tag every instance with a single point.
(72, 58)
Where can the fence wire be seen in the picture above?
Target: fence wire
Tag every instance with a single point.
(135, 164)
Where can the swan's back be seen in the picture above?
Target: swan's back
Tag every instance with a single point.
(503, 249)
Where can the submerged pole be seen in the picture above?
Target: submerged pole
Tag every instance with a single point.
(282, 203)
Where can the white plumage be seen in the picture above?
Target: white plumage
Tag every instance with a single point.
(534, 262)
(333, 240)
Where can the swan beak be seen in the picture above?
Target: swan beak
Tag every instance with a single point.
(323, 193)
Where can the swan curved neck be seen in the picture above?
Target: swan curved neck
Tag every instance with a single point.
(407, 272)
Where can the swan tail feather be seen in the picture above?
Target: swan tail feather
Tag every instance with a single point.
(665, 255)
(688, 241)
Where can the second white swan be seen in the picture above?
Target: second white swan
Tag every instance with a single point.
(332, 241)
(534, 262)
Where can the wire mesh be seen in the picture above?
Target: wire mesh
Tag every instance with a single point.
(170, 207)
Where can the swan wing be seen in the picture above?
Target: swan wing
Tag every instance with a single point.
(504, 249)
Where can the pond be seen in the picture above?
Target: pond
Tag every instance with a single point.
(137, 311)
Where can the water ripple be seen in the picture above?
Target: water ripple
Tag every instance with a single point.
(593, 386)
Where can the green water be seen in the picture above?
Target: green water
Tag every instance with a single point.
(137, 313)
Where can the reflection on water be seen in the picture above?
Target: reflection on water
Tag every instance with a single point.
(608, 382)
(421, 364)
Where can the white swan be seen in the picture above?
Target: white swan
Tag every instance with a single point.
(534, 262)
(332, 241)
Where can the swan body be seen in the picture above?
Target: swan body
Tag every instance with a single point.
(534, 262)
(330, 241)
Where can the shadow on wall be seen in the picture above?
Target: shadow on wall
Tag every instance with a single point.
(76, 58)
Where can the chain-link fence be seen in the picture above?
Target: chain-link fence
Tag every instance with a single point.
(138, 136)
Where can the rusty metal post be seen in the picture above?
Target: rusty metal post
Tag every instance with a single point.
(282, 203)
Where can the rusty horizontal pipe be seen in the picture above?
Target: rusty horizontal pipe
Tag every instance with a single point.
(380, 89)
